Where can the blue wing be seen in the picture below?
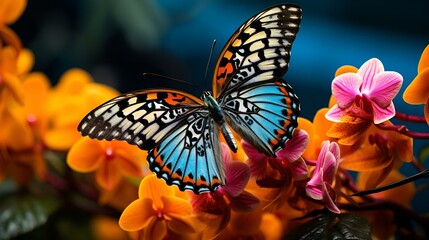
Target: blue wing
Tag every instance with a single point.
(265, 115)
(190, 156)
(173, 126)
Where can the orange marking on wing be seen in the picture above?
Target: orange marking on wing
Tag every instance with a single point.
(188, 180)
(175, 99)
(175, 176)
(166, 169)
(274, 142)
(202, 183)
(216, 181)
(223, 73)
(152, 96)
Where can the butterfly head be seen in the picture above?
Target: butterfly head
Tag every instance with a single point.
(205, 95)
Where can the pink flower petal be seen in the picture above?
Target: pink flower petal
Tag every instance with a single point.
(368, 71)
(345, 88)
(385, 87)
(329, 202)
(252, 153)
(299, 169)
(334, 114)
(295, 147)
(329, 168)
(313, 191)
(383, 114)
(226, 154)
(237, 176)
(334, 148)
(257, 160)
(245, 202)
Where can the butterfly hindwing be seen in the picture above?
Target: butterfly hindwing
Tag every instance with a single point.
(189, 157)
(175, 128)
(264, 115)
(259, 50)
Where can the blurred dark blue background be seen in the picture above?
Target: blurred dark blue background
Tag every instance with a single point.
(117, 41)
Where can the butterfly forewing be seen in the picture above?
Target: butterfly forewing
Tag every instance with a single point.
(259, 50)
(175, 128)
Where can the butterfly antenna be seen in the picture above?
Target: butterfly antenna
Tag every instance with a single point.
(208, 63)
(169, 78)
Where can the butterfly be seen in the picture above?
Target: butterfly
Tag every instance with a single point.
(181, 132)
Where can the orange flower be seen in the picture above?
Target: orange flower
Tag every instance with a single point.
(13, 64)
(316, 131)
(418, 90)
(23, 126)
(10, 11)
(158, 213)
(380, 152)
(110, 160)
(73, 97)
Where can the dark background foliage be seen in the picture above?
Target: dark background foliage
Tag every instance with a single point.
(118, 41)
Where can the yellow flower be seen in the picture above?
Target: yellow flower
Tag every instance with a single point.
(158, 212)
(74, 96)
(111, 160)
(418, 90)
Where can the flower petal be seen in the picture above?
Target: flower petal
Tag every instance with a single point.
(299, 169)
(156, 230)
(385, 87)
(295, 147)
(183, 224)
(11, 10)
(154, 188)
(108, 175)
(346, 69)
(175, 205)
(237, 176)
(424, 60)
(418, 90)
(314, 191)
(329, 202)
(368, 71)
(85, 155)
(345, 88)
(383, 114)
(25, 61)
(335, 113)
(257, 161)
(137, 215)
(244, 202)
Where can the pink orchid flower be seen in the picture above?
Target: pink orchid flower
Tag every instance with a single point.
(288, 158)
(320, 185)
(237, 176)
(370, 88)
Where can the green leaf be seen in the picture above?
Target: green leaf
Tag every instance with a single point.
(22, 212)
(331, 226)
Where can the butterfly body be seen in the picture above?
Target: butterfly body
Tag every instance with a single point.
(217, 114)
(181, 131)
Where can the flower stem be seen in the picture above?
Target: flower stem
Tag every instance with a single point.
(410, 118)
(403, 130)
